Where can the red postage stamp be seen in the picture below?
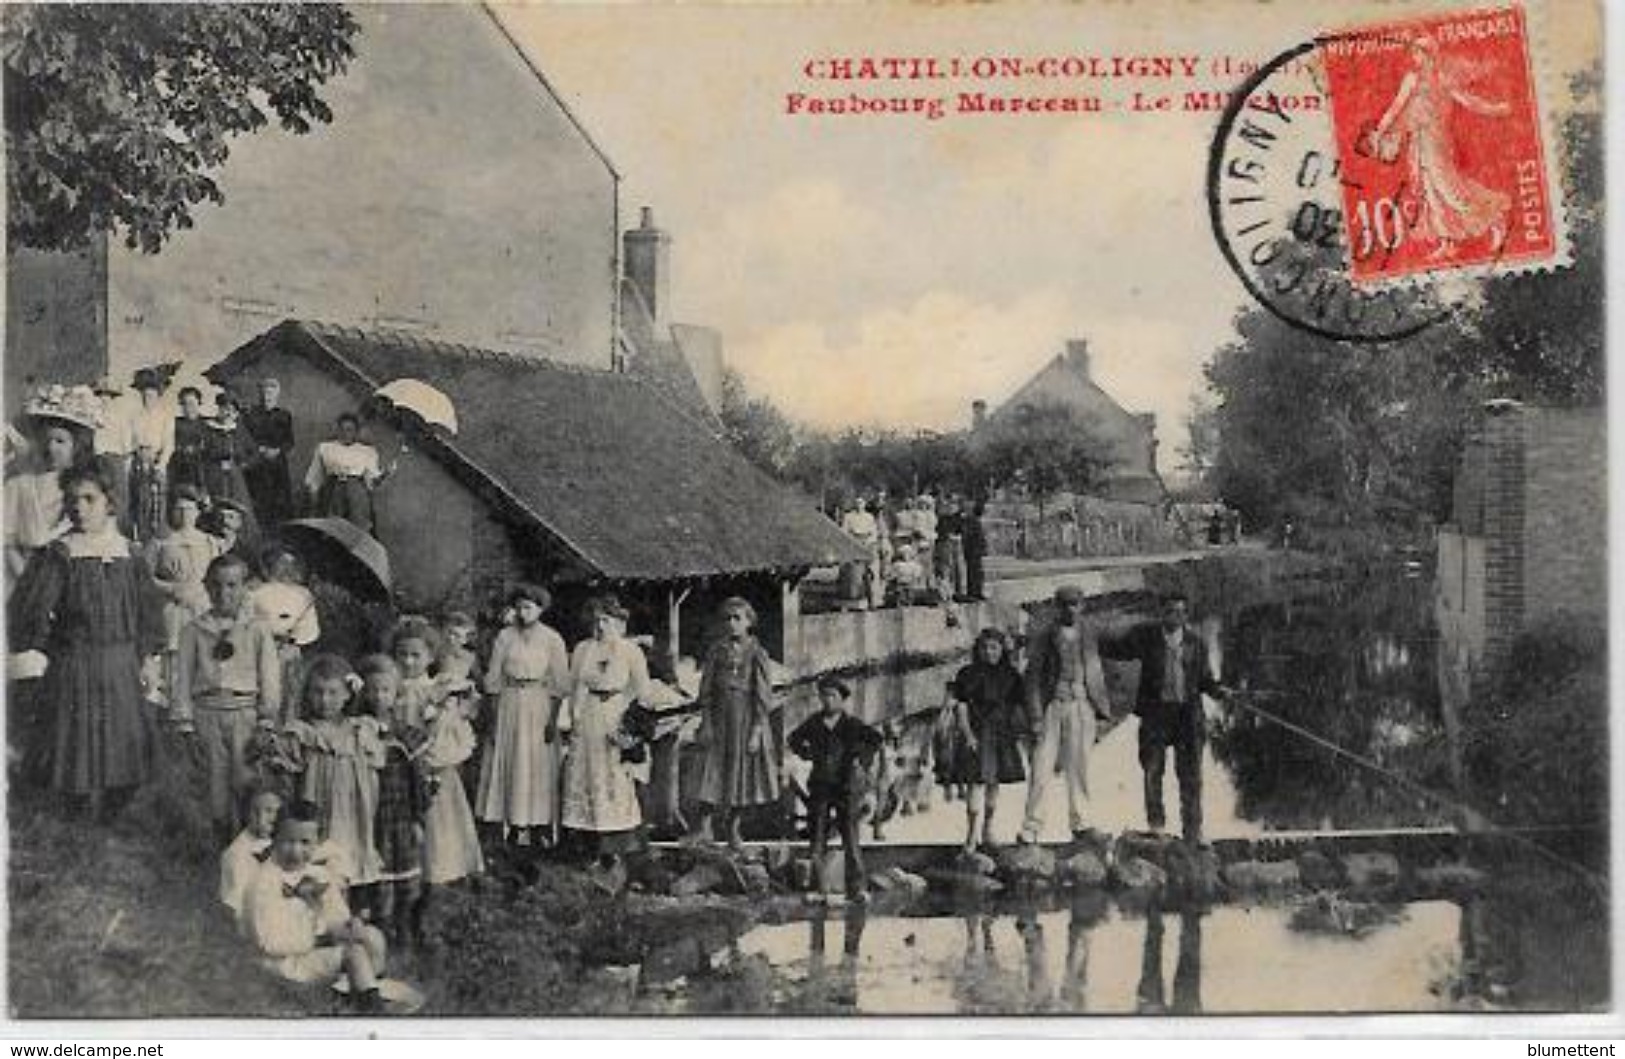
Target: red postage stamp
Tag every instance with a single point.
(1442, 148)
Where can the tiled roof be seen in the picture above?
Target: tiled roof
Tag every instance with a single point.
(633, 486)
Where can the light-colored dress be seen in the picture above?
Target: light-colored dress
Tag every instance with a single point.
(520, 771)
(341, 760)
(290, 612)
(451, 846)
(600, 793)
(33, 511)
(179, 562)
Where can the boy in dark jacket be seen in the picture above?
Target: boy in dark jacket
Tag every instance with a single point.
(840, 747)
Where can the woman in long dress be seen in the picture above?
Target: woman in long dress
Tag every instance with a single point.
(527, 673)
(88, 605)
(343, 473)
(152, 433)
(736, 695)
(190, 434)
(227, 452)
(179, 562)
(608, 674)
(34, 514)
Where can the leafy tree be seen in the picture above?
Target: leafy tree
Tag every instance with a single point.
(756, 427)
(1369, 436)
(116, 115)
(1539, 336)
(1201, 451)
(1044, 448)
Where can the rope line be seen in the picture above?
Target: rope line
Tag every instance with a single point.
(1465, 812)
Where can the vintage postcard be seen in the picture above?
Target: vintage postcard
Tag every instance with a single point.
(533, 511)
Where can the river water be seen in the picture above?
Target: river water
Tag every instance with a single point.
(1353, 664)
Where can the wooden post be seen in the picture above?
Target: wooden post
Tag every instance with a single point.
(674, 621)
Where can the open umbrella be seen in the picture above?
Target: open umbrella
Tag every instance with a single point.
(422, 400)
(341, 552)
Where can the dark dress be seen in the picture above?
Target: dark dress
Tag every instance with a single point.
(225, 453)
(186, 462)
(94, 618)
(994, 697)
(403, 802)
(268, 480)
(736, 692)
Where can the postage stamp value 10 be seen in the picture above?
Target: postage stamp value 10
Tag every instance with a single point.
(1438, 130)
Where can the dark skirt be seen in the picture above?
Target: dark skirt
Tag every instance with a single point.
(348, 499)
(147, 499)
(103, 733)
(399, 803)
(996, 760)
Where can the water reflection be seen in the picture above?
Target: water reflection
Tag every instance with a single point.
(1149, 996)
(1090, 958)
(1354, 666)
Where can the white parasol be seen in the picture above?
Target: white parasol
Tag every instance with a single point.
(422, 400)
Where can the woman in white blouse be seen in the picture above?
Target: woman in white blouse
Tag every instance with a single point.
(609, 674)
(343, 474)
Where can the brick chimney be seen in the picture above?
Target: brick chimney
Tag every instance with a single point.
(978, 414)
(1077, 355)
(648, 267)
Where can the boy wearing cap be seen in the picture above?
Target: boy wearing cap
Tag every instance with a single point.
(1066, 693)
(838, 746)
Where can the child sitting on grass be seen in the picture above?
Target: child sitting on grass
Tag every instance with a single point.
(242, 859)
(839, 748)
(297, 917)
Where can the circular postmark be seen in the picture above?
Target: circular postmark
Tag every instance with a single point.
(1275, 199)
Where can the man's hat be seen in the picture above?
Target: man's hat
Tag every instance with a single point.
(1069, 594)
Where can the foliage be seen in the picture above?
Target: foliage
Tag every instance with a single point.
(1367, 437)
(116, 115)
(1539, 337)
(1046, 448)
(1537, 741)
(1201, 450)
(754, 425)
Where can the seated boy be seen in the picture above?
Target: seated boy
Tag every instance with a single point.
(297, 917)
(839, 747)
(242, 860)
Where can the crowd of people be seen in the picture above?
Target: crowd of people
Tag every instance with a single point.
(233, 465)
(924, 552)
(346, 791)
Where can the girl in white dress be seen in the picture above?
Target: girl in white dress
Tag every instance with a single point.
(527, 674)
(451, 847)
(608, 674)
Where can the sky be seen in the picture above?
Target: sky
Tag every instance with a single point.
(889, 270)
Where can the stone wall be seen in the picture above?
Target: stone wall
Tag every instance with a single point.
(452, 196)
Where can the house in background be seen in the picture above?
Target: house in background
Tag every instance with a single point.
(1132, 436)
(1123, 513)
(453, 196)
(579, 478)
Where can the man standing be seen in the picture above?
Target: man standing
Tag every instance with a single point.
(1174, 674)
(1066, 692)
